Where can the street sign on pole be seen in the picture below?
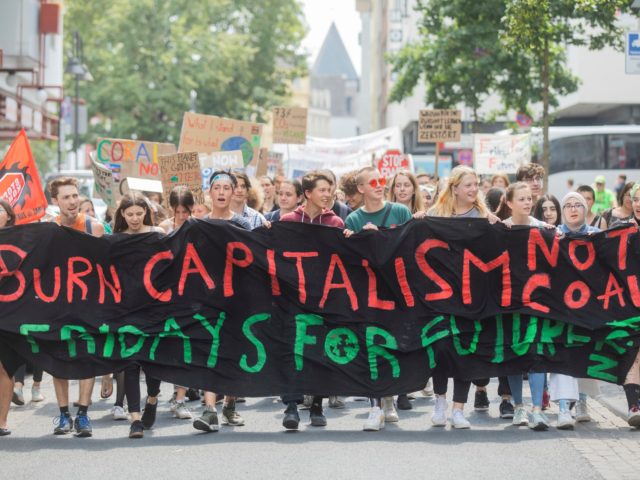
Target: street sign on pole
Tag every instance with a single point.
(632, 53)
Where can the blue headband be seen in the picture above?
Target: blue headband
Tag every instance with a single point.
(221, 176)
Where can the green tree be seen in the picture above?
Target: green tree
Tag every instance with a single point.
(147, 55)
(540, 29)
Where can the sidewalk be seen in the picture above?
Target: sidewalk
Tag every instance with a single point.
(613, 397)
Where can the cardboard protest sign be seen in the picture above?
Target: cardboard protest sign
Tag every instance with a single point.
(181, 169)
(501, 153)
(132, 158)
(208, 133)
(436, 126)
(20, 183)
(289, 125)
(210, 162)
(103, 183)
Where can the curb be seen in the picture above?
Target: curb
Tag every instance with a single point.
(612, 407)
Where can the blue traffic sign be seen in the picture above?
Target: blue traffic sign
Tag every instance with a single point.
(633, 43)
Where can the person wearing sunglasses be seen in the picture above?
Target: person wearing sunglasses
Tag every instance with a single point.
(374, 214)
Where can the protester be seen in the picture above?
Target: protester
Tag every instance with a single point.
(269, 202)
(533, 175)
(623, 213)
(340, 209)
(605, 198)
(222, 192)
(494, 198)
(374, 214)
(290, 196)
(500, 180)
(318, 195)
(621, 181)
(239, 201)
(405, 190)
(589, 195)
(547, 209)
(182, 203)
(485, 185)
(428, 193)
(349, 185)
(64, 193)
(459, 199)
(201, 210)
(424, 179)
(36, 394)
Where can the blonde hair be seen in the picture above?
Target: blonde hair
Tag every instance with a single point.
(446, 203)
(417, 202)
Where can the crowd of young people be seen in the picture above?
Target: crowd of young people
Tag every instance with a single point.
(362, 200)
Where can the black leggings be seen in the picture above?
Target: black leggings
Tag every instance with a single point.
(132, 387)
(503, 385)
(20, 373)
(460, 387)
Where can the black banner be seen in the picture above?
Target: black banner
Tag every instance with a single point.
(299, 308)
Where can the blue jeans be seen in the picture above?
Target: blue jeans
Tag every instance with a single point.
(536, 383)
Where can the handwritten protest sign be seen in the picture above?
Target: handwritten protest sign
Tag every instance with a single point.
(289, 125)
(501, 153)
(132, 158)
(208, 133)
(103, 183)
(181, 169)
(210, 162)
(436, 126)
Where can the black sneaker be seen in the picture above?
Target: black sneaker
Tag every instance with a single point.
(403, 402)
(506, 409)
(82, 425)
(193, 395)
(149, 415)
(316, 416)
(137, 429)
(482, 401)
(291, 418)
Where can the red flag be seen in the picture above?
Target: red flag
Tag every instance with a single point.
(20, 182)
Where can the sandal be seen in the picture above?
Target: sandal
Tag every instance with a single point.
(107, 386)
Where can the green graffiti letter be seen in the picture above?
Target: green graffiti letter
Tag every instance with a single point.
(610, 341)
(632, 323)
(126, 352)
(262, 353)
(109, 341)
(380, 350)
(27, 328)
(66, 335)
(477, 328)
(341, 345)
(598, 370)
(575, 340)
(499, 347)
(550, 331)
(172, 329)
(520, 347)
(304, 321)
(215, 334)
(428, 340)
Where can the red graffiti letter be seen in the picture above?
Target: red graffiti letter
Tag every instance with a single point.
(634, 291)
(401, 273)
(73, 277)
(583, 289)
(271, 261)
(346, 283)
(302, 289)
(539, 280)
(573, 245)
(501, 261)
(37, 285)
(17, 274)
(373, 300)
(445, 289)
(622, 244)
(537, 240)
(148, 269)
(116, 289)
(191, 256)
(231, 261)
(613, 288)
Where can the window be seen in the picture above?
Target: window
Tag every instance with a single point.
(623, 151)
(585, 152)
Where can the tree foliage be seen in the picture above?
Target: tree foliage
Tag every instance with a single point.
(147, 55)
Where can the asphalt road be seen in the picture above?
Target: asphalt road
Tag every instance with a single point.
(492, 448)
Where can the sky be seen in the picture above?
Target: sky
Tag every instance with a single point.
(319, 15)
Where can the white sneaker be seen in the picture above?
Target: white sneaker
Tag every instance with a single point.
(375, 421)
(427, 391)
(389, 409)
(182, 412)
(582, 413)
(565, 420)
(520, 418)
(458, 419)
(439, 417)
(118, 413)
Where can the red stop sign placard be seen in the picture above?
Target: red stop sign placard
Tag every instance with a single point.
(391, 162)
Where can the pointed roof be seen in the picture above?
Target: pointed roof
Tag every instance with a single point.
(333, 59)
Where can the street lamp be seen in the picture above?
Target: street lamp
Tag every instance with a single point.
(80, 73)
